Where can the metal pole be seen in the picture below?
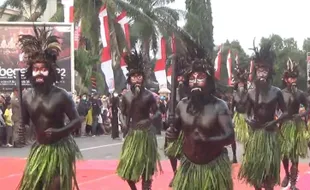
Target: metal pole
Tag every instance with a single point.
(173, 90)
(20, 98)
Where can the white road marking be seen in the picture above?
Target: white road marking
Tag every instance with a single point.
(101, 146)
(11, 175)
(108, 145)
(83, 149)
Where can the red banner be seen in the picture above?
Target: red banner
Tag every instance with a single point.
(11, 58)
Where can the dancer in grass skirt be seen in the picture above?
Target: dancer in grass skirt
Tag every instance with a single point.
(206, 125)
(294, 141)
(307, 116)
(51, 163)
(238, 105)
(139, 156)
(262, 157)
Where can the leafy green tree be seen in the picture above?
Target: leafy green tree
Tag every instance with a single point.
(284, 49)
(59, 15)
(30, 10)
(235, 48)
(199, 22)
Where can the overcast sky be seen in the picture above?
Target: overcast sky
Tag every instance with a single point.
(245, 19)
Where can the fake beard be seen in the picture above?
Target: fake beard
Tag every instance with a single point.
(261, 84)
(136, 90)
(293, 88)
(40, 81)
(197, 98)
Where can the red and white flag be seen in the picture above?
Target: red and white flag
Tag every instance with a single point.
(174, 50)
(217, 64)
(68, 10)
(123, 20)
(77, 36)
(229, 66)
(169, 73)
(251, 70)
(160, 65)
(106, 61)
(237, 60)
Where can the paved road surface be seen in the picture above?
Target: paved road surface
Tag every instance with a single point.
(102, 148)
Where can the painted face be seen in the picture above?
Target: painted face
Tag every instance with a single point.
(262, 73)
(180, 79)
(39, 72)
(197, 81)
(291, 81)
(136, 79)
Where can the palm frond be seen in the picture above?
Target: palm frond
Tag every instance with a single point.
(10, 3)
(59, 15)
(40, 6)
(135, 12)
(167, 13)
(17, 17)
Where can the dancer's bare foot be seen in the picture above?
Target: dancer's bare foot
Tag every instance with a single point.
(285, 181)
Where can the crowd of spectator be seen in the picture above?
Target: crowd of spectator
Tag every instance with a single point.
(101, 116)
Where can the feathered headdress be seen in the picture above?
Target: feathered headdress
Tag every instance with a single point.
(240, 75)
(265, 56)
(41, 47)
(180, 65)
(135, 63)
(198, 59)
(291, 69)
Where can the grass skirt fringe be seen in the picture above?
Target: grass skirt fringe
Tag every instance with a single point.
(308, 131)
(261, 159)
(139, 157)
(294, 143)
(241, 128)
(47, 162)
(174, 149)
(215, 175)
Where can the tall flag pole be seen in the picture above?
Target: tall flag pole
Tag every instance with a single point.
(106, 61)
(173, 102)
(123, 20)
(174, 50)
(217, 64)
(160, 65)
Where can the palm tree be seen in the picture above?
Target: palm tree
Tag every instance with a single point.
(30, 10)
(149, 18)
(87, 12)
(59, 15)
(83, 64)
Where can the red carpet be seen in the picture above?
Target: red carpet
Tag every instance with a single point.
(100, 175)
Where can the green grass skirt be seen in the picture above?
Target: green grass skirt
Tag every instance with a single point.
(241, 128)
(261, 159)
(47, 162)
(215, 175)
(294, 143)
(174, 149)
(139, 157)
